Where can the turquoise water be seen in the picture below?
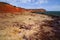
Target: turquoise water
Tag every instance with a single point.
(57, 13)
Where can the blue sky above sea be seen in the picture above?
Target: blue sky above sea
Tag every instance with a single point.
(50, 5)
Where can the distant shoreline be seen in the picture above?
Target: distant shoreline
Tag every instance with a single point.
(51, 13)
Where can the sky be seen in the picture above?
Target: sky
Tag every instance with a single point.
(50, 5)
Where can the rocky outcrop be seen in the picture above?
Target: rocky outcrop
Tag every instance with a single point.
(37, 10)
(5, 8)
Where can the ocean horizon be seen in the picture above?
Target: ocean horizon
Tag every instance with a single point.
(56, 13)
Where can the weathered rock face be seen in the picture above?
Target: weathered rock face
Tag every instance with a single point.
(5, 7)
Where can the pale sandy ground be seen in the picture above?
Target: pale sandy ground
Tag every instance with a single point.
(29, 27)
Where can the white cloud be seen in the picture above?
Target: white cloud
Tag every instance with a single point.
(27, 1)
(34, 1)
(41, 1)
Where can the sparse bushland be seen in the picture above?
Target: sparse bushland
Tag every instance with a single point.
(29, 26)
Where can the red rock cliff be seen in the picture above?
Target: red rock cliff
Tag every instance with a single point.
(5, 7)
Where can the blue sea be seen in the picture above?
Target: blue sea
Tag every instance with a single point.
(56, 13)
